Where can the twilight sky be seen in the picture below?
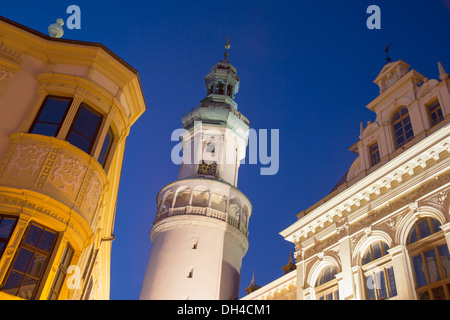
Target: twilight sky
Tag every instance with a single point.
(306, 68)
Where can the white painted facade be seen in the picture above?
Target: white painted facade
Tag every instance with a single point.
(360, 241)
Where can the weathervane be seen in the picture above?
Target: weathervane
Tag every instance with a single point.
(386, 49)
(227, 46)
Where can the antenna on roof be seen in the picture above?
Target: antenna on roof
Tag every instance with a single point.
(227, 46)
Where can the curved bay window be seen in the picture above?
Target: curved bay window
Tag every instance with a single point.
(326, 287)
(402, 127)
(378, 272)
(82, 132)
(430, 259)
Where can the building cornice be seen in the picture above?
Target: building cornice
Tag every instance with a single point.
(388, 176)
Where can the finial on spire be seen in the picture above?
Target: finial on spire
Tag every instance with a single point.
(386, 50)
(442, 74)
(227, 46)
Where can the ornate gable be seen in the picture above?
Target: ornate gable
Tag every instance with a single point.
(390, 74)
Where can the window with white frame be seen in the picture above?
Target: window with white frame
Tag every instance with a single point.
(430, 260)
(378, 272)
(326, 287)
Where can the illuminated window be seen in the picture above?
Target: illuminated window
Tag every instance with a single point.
(84, 128)
(326, 285)
(375, 251)
(374, 153)
(401, 124)
(435, 113)
(50, 116)
(430, 260)
(30, 262)
(7, 225)
(61, 274)
(380, 284)
(380, 280)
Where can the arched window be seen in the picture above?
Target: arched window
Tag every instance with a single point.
(168, 201)
(218, 202)
(430, 260)
(200, 198)
(378, 272)
(182, 198)
(401, 124)
(326, 287)
(375, 251)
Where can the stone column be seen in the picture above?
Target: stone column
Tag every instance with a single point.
(403, 273)
(347, 283)
(300, 275)
(446, 228)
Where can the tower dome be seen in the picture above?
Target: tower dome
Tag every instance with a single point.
(222, 82)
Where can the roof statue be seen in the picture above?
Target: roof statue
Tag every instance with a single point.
(55, 30)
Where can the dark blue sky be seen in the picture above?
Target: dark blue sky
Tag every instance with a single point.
(306, 68)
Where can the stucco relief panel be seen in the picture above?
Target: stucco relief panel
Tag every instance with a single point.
(56, 172)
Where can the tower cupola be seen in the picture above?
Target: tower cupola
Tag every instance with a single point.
(222, 82)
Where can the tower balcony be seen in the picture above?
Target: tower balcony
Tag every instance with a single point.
(208, 198)
(54, 169)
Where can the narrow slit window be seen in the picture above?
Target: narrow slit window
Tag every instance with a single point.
(374, 152)
(106, 148)
(61, 274)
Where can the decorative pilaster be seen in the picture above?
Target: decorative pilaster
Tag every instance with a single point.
(347, 284)
(446, 229)
(403, 274)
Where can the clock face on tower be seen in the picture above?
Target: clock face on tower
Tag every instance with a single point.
(207, 167)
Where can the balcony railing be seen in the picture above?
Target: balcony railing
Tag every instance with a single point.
(202, 211)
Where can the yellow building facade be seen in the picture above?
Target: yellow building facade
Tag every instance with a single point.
(66, 109)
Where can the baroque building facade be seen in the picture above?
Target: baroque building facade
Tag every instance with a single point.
(66, 108)
(384, 230)
(199, 235)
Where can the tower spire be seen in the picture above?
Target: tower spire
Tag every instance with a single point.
(227, 47)
(442, 74)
